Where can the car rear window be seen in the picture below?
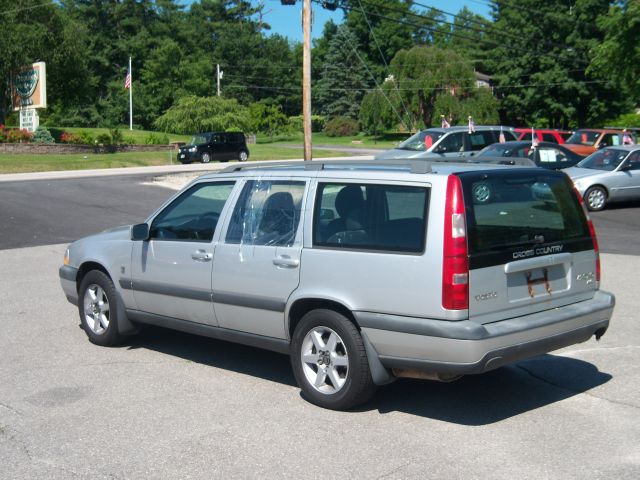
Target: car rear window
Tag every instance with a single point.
(524, 213)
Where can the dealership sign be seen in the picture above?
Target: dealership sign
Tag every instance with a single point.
(29, 87)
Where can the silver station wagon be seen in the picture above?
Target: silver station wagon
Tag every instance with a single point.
(361, 271)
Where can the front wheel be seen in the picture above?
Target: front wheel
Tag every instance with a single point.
(205, 157)
(329, 361)
(595, 198)
(98, 309)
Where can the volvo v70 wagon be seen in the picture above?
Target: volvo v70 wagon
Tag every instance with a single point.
(361, 271)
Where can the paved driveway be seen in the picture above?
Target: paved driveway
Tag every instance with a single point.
(170, 405)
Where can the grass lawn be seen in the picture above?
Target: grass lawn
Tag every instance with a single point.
(10, 163)
(383, 141)
(139, 136)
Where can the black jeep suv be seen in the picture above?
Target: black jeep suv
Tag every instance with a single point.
(208, 146)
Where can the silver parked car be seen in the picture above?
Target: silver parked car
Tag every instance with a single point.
(608, 175)
(361, 271)
(447, 143)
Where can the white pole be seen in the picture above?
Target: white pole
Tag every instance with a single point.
(218, 77)
(130, 97)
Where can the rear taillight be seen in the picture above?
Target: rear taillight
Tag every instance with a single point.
(455, 265)
(592, 232)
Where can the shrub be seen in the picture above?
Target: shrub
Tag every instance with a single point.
(18, 136)
(129, 140)
(86, 137)
(104, 139)
(156, 139)
(67, 137)
(3, 135)
(317, 123)
(341, 127)
(42, 135)
(116, 136)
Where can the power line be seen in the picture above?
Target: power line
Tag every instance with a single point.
(22, 9)
(416, 89)
(449, 33)
(386, 65)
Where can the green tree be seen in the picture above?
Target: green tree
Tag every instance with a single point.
(344, 77)
(617, 57)
(540, 70)
(267, 118)
(378, 112)
(422, 74)
(199, 114)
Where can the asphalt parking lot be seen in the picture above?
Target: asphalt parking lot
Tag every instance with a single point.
(171, 405)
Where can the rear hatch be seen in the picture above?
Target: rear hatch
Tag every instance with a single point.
(529, 242)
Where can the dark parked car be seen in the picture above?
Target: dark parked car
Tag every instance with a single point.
(546, 155)
(222, 146)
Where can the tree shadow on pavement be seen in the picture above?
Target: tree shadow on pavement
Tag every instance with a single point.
(473, 400)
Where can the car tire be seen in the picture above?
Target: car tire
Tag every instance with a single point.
(329, 361)
(595, 198)
(243, 156)
(98, 308)
(205, 157)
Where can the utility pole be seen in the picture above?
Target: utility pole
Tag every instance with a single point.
(306, 78)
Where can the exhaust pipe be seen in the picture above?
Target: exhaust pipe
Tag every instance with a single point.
(422, 375)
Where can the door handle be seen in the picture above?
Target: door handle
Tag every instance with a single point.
(286, 261)
(201, 256)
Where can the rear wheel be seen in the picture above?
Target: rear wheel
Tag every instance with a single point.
(595, 198)
(243, 156)
(98, 309)
(329, 361)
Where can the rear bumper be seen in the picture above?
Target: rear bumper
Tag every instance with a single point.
(465, 347)
(68, 282)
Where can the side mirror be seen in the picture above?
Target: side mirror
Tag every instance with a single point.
(140, 232)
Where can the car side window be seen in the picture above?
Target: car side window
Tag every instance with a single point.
(549, 137)
(479, 140)
(453, 142)
(551, 155)
(370, 217)
(217, 138)
(194, 215)
(267, 213)
(633, 161)
(610, 140)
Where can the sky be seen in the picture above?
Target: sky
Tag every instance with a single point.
(286, 20)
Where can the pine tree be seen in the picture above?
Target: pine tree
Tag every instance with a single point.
(344, 77)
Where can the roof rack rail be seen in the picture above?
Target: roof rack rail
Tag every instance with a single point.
(414, 166)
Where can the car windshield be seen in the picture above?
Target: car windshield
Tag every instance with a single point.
(199, 139)
(583, 138)
(607, 159)
(421, 141)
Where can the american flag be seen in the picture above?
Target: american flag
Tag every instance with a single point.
(472, 125)
(127, 79)
(534, 138)
(444, 123)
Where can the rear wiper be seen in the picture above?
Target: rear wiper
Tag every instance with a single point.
(532, 241)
